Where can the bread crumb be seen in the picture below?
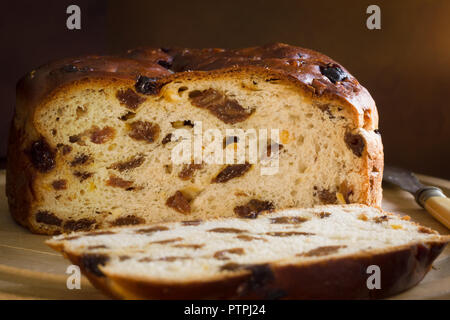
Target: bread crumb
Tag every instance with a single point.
(396, 226)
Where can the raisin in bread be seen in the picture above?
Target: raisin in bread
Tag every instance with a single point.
(92, 139)
(316, 253)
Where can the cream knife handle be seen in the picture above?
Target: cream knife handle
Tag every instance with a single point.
(436, 203)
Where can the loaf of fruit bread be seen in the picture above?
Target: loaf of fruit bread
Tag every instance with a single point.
(95, 141)
(328, 252)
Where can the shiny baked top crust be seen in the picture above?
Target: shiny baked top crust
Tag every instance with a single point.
(316, 73)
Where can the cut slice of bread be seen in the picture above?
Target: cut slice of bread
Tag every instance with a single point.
(93, 139)
(328, 252)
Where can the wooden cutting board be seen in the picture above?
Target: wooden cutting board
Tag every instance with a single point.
(31, 270)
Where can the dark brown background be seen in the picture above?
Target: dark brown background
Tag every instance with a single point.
(405, 65)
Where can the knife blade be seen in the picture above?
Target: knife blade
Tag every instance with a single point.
(429, 197)
(404, 179)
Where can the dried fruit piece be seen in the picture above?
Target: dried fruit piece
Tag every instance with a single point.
(168, 259)
(77, 225)
(226, 109)
(191, 222)
(82, 175)
(79, 160)
(273, 146)
(191, 192)
(117, 182)
(60, 184)
(333, 73)
(188, 171)
(288, 220)
(355, 142)
(97, 233)
(152, 230)
(253, 208)
(232, 266)
(189, 246)
(171, 95)
(144, 131)
(222, 254)
(325, 108)
(127, 220)
(99, 136)
(180, 124)
(147, 85)
(321, 251)
(340, 198)
(245, 237)
(288, 233)
(168, 168)
(227, 230)
(167, 240)
(76, 139)
(132, 163)
(127, 116)
(179, 202)
(91, 262)
(284, 136)
(48, 217)
(167, 138)
(323, 214)
(42, 156)
(346, 190)
(65, 149)
(232, 171)
(380, 219)
(325, 196)
(363, 217)
(129, 98)
(100, 246)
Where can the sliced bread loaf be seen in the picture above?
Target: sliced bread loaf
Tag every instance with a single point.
(317, 253)
(93, 139)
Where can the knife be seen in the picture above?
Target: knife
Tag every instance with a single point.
(428, 197)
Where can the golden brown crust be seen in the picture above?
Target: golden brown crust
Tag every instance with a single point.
(335, 278)
(20, 177)
(371, 192)
(374, 168)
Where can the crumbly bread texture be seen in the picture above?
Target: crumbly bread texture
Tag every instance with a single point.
(91, 141)
(316, 253)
